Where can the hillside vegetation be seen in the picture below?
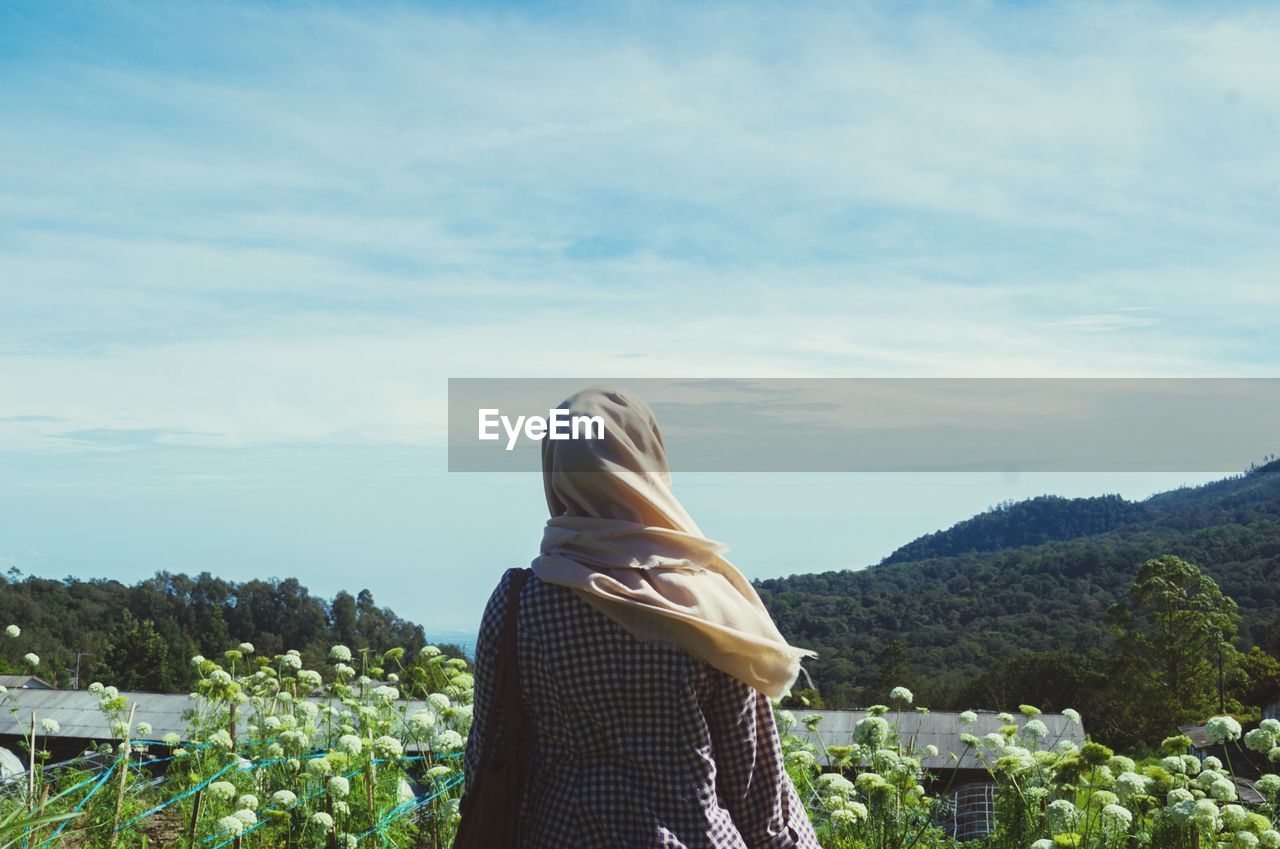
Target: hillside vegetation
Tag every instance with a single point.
(958, 615)
(142, 637)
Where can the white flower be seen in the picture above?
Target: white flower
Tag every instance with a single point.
(931, 750)
(31, 658)
(322, 820)
(385, 694)
(872, 731)
(221, 677)
(231, 825)
(220, 739)
(1260, 740)
(901, 694)
(13, 631)
(1222, 730)
(198, 660)
(1130, 784)
(339, 786)
(246, 816)
(290, 661)
(1072, 715)
(1272, 725)
(223, 791)
(246, 648)
(1224, 790)
(144, 729)
(95, 687)
(284, 799)
(310, 678)
(1036, 729)
(319, 767)
(171, 739)
(1062, 816)
(49, 725)
(439, 701)
(350, 744)
(1234, 817)
(341, 654)
(422, 721)
(248, 801)
(1117, 817)
(427, 652)
(447, 741)
(834, 784)
(389, 747)
(968, 718)
(1269, 839)
(1121, 763)
(1268, 785)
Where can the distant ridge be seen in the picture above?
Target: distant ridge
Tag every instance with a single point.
(1034, 576)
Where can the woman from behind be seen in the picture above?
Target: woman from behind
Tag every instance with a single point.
(645, 661)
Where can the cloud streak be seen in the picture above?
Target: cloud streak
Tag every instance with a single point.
(289, 225)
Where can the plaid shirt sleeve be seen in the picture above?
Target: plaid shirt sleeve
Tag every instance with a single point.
(751, 780)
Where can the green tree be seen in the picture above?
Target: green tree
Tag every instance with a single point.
(1174, 636)
(138, 657)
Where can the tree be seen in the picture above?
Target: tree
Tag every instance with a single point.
(1174, 638)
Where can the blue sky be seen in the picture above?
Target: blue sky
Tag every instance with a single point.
(243, 246)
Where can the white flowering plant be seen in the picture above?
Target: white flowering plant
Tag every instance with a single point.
(275, 755)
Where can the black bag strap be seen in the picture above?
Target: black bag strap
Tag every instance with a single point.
(507, 689)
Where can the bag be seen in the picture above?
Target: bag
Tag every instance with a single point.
(491, 807)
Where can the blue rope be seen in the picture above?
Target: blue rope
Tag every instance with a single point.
(101, 780)
(184, 794)
(406, 807)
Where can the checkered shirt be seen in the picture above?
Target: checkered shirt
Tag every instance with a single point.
(632, 744)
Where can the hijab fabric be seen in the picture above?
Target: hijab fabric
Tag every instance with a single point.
(619, 538)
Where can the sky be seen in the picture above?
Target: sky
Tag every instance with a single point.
(243, 246)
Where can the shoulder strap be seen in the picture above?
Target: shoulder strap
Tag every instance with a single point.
(507, 689)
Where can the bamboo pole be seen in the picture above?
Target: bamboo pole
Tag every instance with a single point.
(125, 751)
(195, 817)
(31, 769)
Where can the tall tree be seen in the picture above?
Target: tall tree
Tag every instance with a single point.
(1174, 639)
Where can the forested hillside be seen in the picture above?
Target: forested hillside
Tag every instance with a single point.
(953, 612)
(143, 636)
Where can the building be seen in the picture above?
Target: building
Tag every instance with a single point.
(24, 682)
(955, 771)
(83, 726)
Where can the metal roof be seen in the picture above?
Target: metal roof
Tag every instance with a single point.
(78, 715)
(917, 730)
(18, 682)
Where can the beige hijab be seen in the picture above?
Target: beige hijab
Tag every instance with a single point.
(619, 537)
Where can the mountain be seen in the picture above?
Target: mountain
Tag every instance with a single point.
(1035, 576)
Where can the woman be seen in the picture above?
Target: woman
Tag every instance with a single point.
(646, 662)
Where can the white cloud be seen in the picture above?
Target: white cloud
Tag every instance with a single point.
(291, 225)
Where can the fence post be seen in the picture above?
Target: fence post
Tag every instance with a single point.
(31, 769)
(125, 752)
(195, 818)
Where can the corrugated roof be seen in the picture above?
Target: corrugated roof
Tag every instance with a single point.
(17, 682)
(938, 728)
(78, 715)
